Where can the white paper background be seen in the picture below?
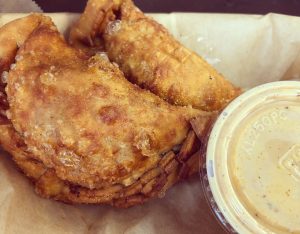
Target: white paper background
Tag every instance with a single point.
(19, 6)
(248, 50)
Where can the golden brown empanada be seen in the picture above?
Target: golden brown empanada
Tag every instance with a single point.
(151, 57)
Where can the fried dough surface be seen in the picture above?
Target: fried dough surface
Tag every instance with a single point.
(150, 57)
(13, 35)
(82, 118)
(79, 130)
(153, 183)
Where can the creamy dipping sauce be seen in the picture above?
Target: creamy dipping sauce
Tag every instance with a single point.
(265, 165)
(253, 161)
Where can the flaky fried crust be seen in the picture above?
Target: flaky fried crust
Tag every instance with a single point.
(150, 57)
(81, 117)
(13, 35)
(82, 132)
(153, 183)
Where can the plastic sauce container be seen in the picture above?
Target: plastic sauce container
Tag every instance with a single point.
(252, 173)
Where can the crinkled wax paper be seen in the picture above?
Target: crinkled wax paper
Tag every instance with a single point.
(249, 50)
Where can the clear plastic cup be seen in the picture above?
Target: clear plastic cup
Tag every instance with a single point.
(252, 173)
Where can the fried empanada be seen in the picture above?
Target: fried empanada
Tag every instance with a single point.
(149, 56)
(79, 129)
